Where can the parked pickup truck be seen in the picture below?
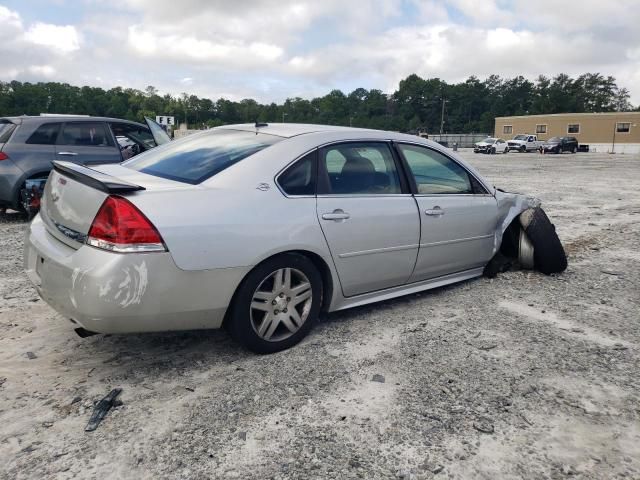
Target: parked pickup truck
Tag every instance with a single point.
(524, 143)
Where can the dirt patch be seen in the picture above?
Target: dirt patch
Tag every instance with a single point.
(521, 376)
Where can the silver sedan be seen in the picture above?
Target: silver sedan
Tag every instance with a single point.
(261, 227)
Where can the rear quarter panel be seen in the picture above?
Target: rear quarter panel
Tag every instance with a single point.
(224, 228)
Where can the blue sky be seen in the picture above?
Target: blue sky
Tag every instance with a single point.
(274, 49)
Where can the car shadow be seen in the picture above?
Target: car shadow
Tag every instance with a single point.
(149, 357)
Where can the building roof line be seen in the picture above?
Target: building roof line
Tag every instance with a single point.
(571, 114)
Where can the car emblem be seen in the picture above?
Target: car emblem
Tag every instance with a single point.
(263, 187)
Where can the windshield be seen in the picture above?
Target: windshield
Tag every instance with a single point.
(520, 137)
(554, 140)
(198, 157)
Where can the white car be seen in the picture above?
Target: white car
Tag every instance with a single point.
(525, 143)
(491, 145)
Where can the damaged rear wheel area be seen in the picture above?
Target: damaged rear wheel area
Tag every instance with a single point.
(531, 242)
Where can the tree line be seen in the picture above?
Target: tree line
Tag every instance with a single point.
(418, 104)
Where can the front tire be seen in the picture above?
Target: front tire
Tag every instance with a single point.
(523, 149)
(492, 151)
(277, 303)
(548, 254)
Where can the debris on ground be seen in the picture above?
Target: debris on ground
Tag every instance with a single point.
(378, 378)
(484, 425)
(102, 408)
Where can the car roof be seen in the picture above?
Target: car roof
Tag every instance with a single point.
(288, 130)
(66, 118)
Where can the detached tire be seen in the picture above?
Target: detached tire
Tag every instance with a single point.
(276, 304)
(548, 254)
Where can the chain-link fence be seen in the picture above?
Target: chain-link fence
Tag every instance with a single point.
(464, 140)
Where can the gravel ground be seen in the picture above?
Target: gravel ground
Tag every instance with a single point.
(522, 376)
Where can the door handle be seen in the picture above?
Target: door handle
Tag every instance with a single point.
(69, 154)
(337, 215)
(434, 212)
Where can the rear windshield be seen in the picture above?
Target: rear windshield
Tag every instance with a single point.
(198, 157)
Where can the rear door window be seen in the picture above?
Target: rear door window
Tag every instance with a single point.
(45, 134)
(85, 134)
(362, 168)
(199, 157)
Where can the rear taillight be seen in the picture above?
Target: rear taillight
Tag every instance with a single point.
(120, 227)
(4, 156)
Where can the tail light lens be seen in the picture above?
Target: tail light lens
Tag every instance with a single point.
(4, 156)
(120, 227)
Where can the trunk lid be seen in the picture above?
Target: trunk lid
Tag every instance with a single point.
(74, 194)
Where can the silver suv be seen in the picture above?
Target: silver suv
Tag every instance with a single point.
(28, 145)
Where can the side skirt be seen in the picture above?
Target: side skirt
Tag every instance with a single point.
(381, 295)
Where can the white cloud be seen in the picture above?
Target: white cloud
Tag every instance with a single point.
(42, 70)
(190, 48)
(271, 49)
(64, 39)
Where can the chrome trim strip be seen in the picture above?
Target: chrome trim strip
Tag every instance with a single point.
(378, 250)
(457, 240)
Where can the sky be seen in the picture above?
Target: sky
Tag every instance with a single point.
(270, 50)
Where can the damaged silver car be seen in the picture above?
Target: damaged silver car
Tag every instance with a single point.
(261, 227)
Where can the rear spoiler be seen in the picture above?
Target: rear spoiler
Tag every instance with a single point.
(93, 178)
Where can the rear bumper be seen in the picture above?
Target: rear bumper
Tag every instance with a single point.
(107, 292)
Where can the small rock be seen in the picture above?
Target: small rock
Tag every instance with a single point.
(47, 424)
(484, 425)
(31, 355)
(242, 435)
(437, 469)
(378, 378)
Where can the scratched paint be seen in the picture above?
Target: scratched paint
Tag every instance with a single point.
(133, 284)
(124, 289)
(78, 286)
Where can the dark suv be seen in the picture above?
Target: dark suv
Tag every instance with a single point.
(560, 144)
(28, 145)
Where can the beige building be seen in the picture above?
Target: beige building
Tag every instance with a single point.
(617, 132)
